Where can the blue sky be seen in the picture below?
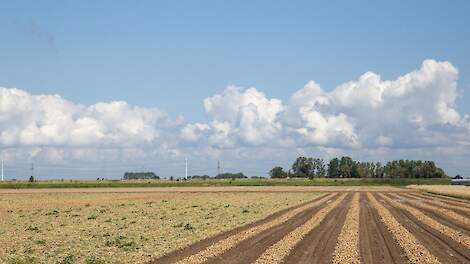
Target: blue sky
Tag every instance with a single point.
(171, 55)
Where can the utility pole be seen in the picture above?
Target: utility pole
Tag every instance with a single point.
(2, 169)
(186, 168)
(32, 170)
(218, 168)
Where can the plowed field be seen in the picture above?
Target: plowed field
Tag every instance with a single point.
(346, 227)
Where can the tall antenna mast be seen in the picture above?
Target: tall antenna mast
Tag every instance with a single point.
(186, 168)
(218, 168)
(2, 169)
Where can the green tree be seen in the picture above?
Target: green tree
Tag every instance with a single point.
(302, 167)
(320, 168)
(346, 165)
(277, 172)
(139, 175)
(378, 170)
(229, 175)
(333, 168)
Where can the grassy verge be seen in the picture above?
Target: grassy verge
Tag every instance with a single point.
(236, 182)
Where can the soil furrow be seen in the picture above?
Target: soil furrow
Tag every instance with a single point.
(277, 252)
(319, 244)
(452, 233)
(250, 249)
(192, 249)
(438, 202)
(225, 244)
(443, 198)
(444, 248)
(376, 243)
(372, 227)
(347, 245)
(440, 214)
(414, 250)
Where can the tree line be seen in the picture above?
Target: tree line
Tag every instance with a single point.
(140, 176)
(346, 167)
(226, 175)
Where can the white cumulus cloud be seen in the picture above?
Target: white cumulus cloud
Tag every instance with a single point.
(50, 120)
(415, 110)
(241, 117)
(412, 116)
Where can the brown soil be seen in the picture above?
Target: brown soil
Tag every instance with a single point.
(249, 250)
(438, 203)
(180, 254)
(376, 243)
(448, 199)
(441, 246)
(319, 245)
(429, 198)
(440, 217)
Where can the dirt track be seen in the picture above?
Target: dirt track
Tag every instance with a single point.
(393, 227)
(184, 189)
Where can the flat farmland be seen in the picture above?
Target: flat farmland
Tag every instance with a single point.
(125, 225)
(308, 224)
(346, 227)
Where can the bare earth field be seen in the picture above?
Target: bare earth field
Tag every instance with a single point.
(346, 227)
(309, 224)
(123, 227)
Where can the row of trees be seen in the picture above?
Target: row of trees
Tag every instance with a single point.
(199, 177)
(229, 175)
(140, 176)
(346, 167)
(226, 175)
(153, 176)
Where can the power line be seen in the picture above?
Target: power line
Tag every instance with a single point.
(22, 169)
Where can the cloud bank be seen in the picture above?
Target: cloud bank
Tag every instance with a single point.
(415, 110)
(363, 117)
(50, 120)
